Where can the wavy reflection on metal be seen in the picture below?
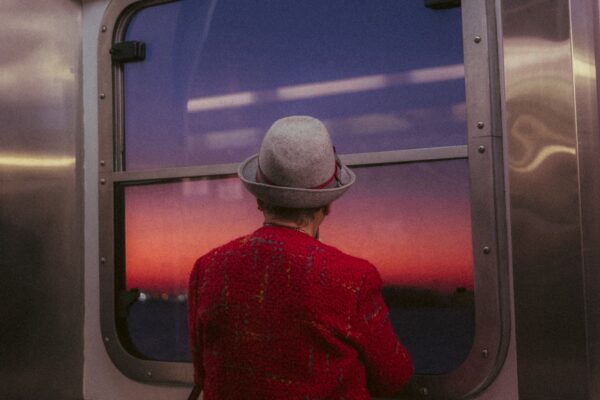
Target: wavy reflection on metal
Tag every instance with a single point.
(540, 104)
(541, 157)
(540, 69)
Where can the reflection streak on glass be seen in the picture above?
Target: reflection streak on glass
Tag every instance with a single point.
(328, 88)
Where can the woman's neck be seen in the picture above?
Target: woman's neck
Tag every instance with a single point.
(310, 229)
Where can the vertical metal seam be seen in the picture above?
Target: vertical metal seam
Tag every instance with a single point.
(576, 105)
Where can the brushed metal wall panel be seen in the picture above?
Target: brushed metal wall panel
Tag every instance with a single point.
(585, 17)
(544, 196)
(41, 294)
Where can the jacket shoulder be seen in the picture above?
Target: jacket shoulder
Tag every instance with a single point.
(355, 266)
(219, 251)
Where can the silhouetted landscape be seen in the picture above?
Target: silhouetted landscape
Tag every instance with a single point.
(397, 296)
(436, 328)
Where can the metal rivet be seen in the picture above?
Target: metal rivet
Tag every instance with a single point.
(102, 163)
(485, 353)
(102, 96)
(103, 28)
(480, 125)
(481, 149)
(102, 260)
(486, 250)
(106, 339)
(423, 391)
(477, 39)
(102, 181)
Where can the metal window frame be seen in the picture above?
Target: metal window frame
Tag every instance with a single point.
(484, 152)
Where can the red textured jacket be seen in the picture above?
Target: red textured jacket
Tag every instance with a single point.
(280, 315)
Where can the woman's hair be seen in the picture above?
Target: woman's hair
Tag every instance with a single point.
(300, 216)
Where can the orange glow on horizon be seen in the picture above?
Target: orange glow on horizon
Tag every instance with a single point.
(419, 239)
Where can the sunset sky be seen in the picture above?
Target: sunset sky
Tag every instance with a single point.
(213, 82)
(412, 221)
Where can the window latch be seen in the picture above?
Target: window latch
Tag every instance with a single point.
(442, 4)
(125, 52)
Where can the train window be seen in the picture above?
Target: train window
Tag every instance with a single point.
(389, 82)
(383, 77)
(414, 225)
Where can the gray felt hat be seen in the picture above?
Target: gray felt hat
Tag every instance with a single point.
(297, 166)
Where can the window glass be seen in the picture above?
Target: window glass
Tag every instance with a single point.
(411, 220)
(382, 75)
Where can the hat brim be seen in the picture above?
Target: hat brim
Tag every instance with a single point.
(289, 196)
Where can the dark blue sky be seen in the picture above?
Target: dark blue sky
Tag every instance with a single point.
(257, 47)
